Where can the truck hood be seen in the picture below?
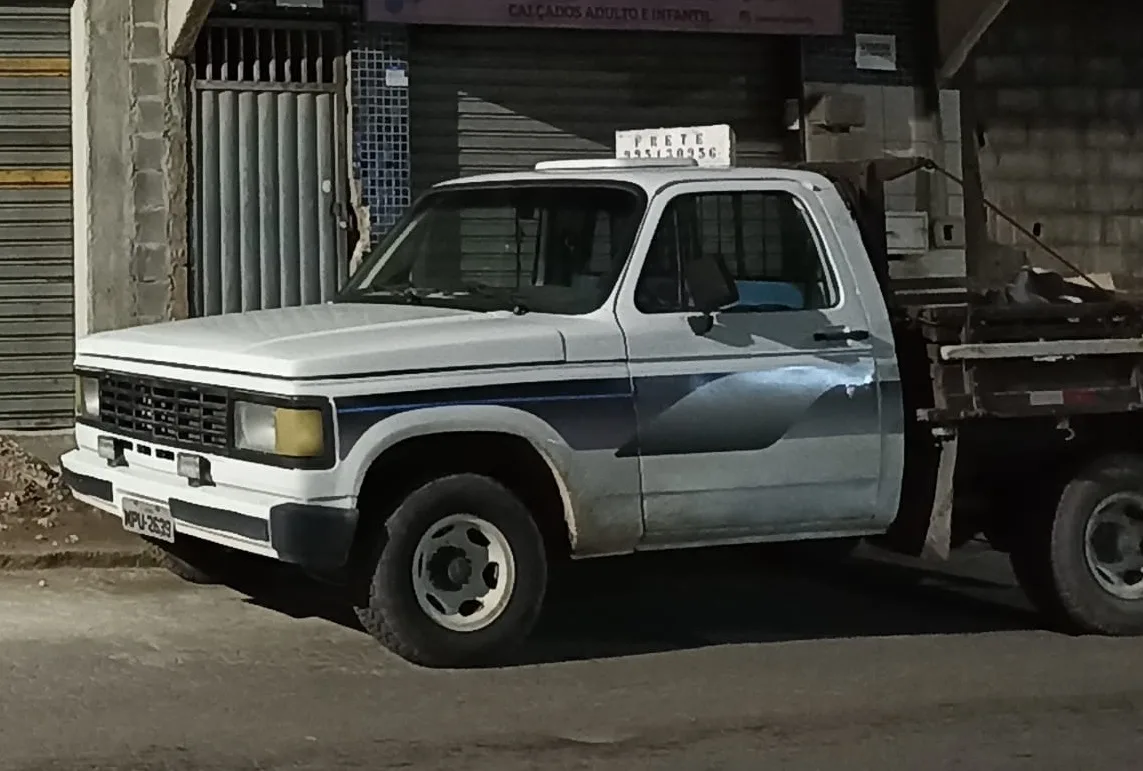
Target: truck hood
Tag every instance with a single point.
(336, 339)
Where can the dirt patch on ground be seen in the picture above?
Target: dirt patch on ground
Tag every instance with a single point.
(38, 515)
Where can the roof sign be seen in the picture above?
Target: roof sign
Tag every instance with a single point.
(706, 145)
(595, 164)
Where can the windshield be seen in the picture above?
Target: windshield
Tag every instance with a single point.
(544, 248)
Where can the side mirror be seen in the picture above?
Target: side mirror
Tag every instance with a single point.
(711, 287)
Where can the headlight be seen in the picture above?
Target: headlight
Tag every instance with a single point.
(86, 397)
(284, 431)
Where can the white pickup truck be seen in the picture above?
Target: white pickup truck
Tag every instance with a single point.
(597, 357)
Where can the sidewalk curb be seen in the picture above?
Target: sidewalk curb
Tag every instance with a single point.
(126, 557)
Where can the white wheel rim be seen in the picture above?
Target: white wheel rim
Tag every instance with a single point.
(1113, 541)
(463, 573)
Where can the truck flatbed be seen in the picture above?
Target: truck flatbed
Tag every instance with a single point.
(975, 358)
(1031, 360)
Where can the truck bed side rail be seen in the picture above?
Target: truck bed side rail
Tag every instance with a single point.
(1032, 360)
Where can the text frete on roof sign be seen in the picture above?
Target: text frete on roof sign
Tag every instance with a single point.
(707, 145)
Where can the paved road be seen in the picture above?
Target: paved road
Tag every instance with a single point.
(705, 663)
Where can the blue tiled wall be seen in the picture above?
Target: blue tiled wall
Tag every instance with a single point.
(380, 122)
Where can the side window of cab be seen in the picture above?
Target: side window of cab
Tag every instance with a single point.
(764, 240)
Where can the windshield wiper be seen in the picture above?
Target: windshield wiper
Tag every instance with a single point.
(497, 292)
(406, 292)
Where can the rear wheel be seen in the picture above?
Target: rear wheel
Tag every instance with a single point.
(459, 577)
(1083, 565)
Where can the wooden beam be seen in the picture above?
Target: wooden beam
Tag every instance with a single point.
(1042, 349)
(184, 20)
(34, 67)
(29, 179)
(954, 56)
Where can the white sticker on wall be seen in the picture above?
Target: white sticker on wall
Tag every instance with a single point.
(396, 77)
(875, 52)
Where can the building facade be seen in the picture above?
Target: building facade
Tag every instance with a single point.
(238, 154)
(448, 92)
(437, 90)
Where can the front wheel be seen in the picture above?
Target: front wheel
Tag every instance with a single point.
(460, 577)
(1083, 566)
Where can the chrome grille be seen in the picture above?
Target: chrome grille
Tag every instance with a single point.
(181, 414)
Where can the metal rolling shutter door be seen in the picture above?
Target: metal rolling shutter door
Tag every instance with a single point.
(494, 100)
(36, 268)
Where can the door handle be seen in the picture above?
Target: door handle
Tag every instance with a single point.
(840, 334)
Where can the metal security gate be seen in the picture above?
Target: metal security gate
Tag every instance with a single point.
(37, 322)
(269, 166)
(494, 100)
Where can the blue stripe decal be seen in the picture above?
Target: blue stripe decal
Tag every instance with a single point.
(481, 402)
(591, 414)
(665, 415)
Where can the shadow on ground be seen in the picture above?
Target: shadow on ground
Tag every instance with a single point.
(675, 601)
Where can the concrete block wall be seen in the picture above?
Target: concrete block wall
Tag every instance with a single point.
(1060, 129)
(897, 123)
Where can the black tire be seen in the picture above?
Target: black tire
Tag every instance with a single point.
(1049, 555)
(191, 559)
(392, 613)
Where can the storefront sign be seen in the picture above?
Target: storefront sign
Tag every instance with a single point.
(775, 17)
(707, 145)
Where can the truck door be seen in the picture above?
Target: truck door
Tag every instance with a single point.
(768, 423)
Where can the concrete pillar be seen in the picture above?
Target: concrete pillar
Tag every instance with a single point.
(129, 166)
(80, 159)
(109, 286)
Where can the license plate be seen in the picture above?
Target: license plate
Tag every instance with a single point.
(148, 518)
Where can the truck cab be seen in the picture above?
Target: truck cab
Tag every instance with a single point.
(743, 369)
(584, 359)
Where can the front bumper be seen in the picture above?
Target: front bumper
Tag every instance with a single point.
(317, 537)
